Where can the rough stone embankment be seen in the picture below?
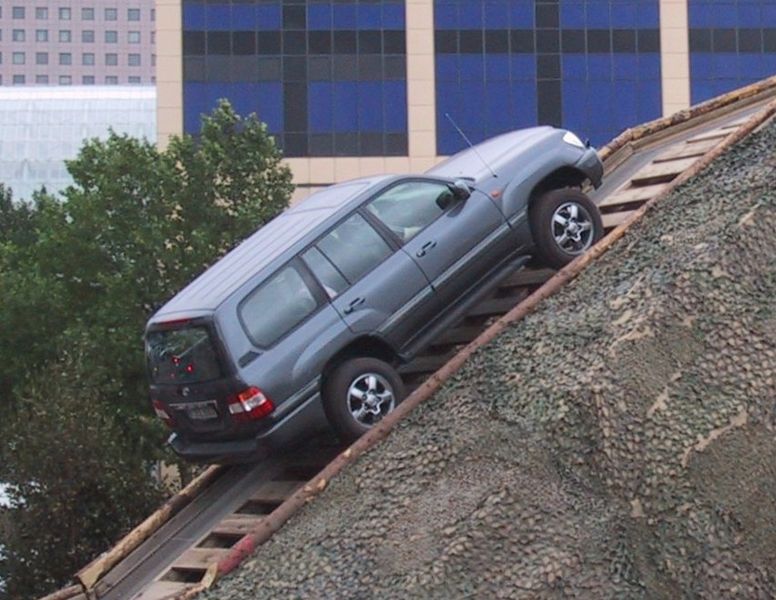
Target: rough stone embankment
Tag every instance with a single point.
(618, 443)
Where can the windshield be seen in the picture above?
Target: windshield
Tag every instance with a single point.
(185, 355)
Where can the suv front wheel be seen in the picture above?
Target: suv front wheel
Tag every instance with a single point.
(564, 224)
(358, 394)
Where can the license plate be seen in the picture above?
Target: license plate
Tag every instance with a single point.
(201, 412)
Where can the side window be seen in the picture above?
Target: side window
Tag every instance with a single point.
(331, 279)
(276, 307)
(354, 247)
(408, 207)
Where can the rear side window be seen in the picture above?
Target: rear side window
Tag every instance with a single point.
(185, 355)
(331, 279)
(277, 307)
(354, 247)
(408, 207)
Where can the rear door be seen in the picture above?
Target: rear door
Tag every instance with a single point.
(373, 286)
(455, 242)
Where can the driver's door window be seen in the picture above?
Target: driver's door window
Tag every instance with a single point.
(409, 207)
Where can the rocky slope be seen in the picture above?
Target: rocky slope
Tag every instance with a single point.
(619, 443)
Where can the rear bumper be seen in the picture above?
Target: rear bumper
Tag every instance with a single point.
(307, 418)
(590, 164)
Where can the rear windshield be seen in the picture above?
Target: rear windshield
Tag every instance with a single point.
(185, 355)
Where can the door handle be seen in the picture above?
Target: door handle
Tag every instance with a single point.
(425, 248)
(354, 305)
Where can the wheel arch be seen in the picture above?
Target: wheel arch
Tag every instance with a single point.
(365, 346)
(563, 177)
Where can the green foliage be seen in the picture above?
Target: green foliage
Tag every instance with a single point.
(79, 276)
(76, 483)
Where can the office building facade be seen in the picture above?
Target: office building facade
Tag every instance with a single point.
(77, 42)
(351, 88)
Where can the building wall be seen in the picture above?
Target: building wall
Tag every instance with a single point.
(77, 42)
(42, 126)
(312, 69)
(732, 44)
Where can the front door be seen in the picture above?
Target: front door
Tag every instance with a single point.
(455, 242)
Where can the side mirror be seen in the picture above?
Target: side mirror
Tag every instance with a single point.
(461, 190)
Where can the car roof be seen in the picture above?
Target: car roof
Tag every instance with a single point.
(291, 230)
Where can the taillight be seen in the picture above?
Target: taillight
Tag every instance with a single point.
(250, 405)
(161, 412)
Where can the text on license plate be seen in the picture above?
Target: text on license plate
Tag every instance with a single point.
(201, 412)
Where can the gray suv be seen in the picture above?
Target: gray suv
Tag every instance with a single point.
(305, 323)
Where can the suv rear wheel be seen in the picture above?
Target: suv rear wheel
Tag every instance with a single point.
(564, 224)
(359, 393)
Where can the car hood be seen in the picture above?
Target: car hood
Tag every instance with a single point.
(476, 163)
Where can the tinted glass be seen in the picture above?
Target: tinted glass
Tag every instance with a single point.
(277, 307)
(184, 355)
(354, 247)
(331, 279)
(408, 207)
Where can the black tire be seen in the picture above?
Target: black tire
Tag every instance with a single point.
(340, 405)
(544, 229)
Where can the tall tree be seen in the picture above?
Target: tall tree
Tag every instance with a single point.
(80, 273)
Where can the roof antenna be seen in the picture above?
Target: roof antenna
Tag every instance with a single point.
(472, 146)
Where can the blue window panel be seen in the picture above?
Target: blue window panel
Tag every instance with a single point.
(345, 16)
(701, 65)
(497, 108)
(370, 106)
(393, 15)
(625, 106)
(269, 17)
(752, 67)
(522, 67)
(597, 14)
(265, 99)
(702, 89)
(749, 15)
(194, 105)
(625, 66)
(320, 106)
(574, 67)
(270, 101)
(471, 67)
(572, 14)
(395, 100)
(713, 14)
(345, 105)
(769, 15)
(524, 108)
(650, 101)
(649, 15)
(219, 17)
(496, 15)
(194, 18)
(624, 14)
(447, 67)
(575, 106)
(649, 66)
(497, 67)
(521, 14)
(319, 16)
(599, 67)
(446, 15)
(470, 14)
(370, 16)
(448, 99)
(725, 64)
(244, 17)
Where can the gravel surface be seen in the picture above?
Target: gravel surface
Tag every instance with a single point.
(619, 443)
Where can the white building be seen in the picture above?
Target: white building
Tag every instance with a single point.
(41, 127)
